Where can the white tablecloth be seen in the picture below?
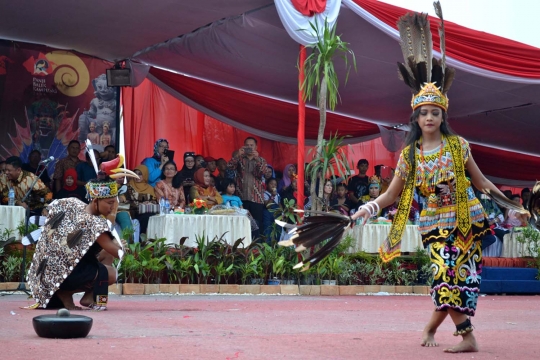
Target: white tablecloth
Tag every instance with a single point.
(175, 227)
(10, 218)
(370, 237)
(511, 247)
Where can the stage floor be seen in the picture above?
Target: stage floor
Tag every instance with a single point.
(273, 327)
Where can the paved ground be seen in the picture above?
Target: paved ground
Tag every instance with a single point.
(273, 327)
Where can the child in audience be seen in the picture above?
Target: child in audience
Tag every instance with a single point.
(228, 196)
(271, 201)
(341, 201)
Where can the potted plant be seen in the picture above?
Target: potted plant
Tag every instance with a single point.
(320, 74)
(278, 265)
(529, 237)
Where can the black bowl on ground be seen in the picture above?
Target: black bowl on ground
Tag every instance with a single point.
(63, 325)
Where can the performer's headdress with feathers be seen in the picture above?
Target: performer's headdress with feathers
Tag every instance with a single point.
(105, 185)
(428, 78)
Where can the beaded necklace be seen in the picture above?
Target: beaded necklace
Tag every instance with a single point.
(428, 185)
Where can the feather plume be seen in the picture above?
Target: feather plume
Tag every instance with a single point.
(505, 202)
(41, 267)
(90, 150)
(416, 46)
(315, 230)
(56, 219)
(442, 45)
(74, 238)
(405, 75)
(449, 75)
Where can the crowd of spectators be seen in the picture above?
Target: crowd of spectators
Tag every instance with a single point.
(245, 180)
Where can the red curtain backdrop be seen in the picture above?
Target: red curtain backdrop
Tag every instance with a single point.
(268, 115)
(473, 47)
(150, 113)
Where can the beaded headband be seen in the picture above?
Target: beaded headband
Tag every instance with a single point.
(102, 190)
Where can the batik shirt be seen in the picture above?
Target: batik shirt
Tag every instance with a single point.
(249, 183)
(40, 196)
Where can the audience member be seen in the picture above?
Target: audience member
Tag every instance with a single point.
(210, 164)
(33, 166)
(290, 169)
(2, 167)
(269, 173)
(374, 192)
(203, 190)
(70, 188)
(155, 163)
(250, 168)
(511, 218)
(359, 184)
(221, 165)
(85, 170)
(272, 199)
(525, 197)
(199, 162)
(69, 162)
(108, 154)
(21, 181)
(141, 193)
(328, 194)
(229, 197)
(186, 175)
(164, 188)
(341, 201)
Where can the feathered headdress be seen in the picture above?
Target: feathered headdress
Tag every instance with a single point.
(428, 78)
(102, 189)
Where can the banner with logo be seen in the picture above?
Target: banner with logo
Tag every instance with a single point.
(49, 97)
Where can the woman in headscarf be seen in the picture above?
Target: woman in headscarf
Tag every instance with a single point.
(141, 197)
(290, 169)
(70, 188)
(269, 173)
(186, 175)
(203, 190)
(167, 189)
(156, 162)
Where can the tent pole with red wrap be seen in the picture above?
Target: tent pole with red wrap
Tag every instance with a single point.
(301, 128)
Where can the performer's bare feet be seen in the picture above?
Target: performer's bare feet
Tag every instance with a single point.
(66, 297)
(87, 298)
(428, 338)
(468, 344)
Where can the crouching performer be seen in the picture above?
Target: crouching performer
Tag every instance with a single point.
(76, 249)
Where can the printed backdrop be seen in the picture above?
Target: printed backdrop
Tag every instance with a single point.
(49, 97)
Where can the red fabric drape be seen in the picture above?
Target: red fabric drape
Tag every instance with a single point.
(309, 7)
(269, 113)
(151, 113)
(473, 47)
(506, 164)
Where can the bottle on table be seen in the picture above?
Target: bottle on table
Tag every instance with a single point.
(11, 197)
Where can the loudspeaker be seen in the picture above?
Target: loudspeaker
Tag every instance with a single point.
(118, 77)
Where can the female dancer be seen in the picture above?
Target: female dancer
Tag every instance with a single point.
(433, 163)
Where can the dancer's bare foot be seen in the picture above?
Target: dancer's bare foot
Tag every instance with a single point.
(428, 338)
(468, 344)
(66, 298)
(87, 299)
